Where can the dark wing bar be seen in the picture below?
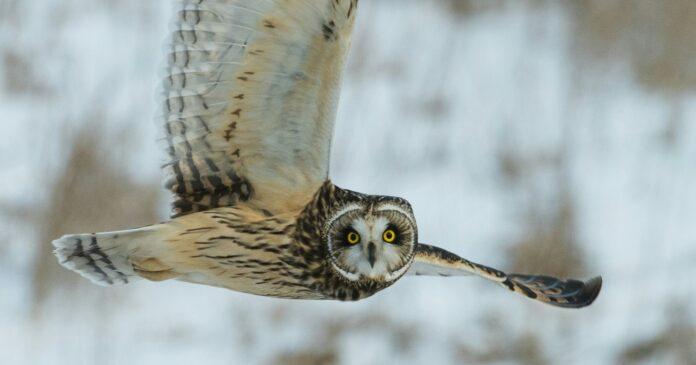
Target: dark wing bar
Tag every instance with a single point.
(565, 293)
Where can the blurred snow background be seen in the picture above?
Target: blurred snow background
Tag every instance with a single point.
(534, 136)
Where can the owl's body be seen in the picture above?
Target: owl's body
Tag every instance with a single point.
(241, 248)
(246, 250)
(248, 113)
(237, 248)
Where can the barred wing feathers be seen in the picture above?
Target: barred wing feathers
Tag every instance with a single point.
(567, 293)
(250, 100)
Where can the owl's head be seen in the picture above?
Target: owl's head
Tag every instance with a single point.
(373, 238)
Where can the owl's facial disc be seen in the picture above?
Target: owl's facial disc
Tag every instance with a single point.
(375, 243)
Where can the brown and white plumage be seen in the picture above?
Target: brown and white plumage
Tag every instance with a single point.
(249, 106)
(570, 293)
(250, 100)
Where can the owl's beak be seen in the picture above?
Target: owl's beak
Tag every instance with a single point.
(371, 253)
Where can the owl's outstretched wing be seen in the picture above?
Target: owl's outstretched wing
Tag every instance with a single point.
(250, 100)
(569, 293)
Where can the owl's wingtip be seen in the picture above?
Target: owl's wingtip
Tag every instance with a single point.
(569, 293)
(591, 290)
(587, 295)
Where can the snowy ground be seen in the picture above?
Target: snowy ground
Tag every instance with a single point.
(500, 123)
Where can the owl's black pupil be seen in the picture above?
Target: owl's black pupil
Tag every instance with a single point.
(352, 237)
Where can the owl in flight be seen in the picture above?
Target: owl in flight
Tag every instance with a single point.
(249, 107)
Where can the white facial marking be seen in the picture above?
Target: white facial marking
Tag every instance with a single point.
(388, 206)
(348, 275)
(344, 210)
(353, 262)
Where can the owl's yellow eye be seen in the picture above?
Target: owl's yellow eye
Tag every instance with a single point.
(352, 237)
(389, 236)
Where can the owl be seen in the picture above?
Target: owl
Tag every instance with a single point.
(249, 104)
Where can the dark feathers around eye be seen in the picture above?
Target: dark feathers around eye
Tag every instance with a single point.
(405, 232)
(397, 230)
(342, 238)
